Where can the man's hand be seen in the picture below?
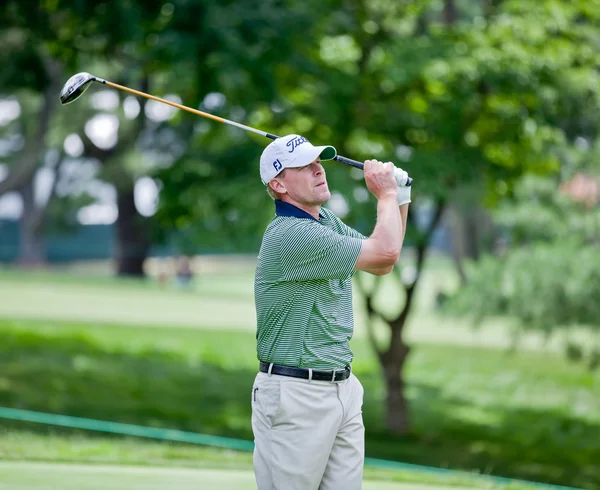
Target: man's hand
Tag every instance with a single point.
(380, 180)
(381, 250)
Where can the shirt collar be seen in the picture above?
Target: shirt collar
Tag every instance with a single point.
(283, 208)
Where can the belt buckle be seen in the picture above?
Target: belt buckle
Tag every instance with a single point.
(333, 380)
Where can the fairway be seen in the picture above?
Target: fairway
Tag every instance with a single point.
(45, 476)
(226, 302)
(217, 303)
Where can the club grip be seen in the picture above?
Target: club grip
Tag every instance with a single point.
(356, 164)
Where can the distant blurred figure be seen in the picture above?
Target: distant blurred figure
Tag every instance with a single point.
(183, 273)
(583, 188)
(163, 273)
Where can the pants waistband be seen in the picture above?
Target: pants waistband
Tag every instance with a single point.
(334, 376)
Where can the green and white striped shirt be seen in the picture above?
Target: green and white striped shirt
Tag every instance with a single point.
(303, 289)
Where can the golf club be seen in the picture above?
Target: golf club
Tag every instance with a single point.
(79, 83)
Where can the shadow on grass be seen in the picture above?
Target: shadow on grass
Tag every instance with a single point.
(536, 445)
(75, 376)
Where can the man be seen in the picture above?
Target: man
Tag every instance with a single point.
(306, 403)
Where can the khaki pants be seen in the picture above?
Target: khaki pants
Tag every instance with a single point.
(308, 435)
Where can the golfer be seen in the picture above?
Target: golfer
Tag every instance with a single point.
(306, 403)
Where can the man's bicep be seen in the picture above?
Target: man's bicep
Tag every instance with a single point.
(371, 257)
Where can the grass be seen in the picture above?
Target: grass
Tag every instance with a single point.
(217, 302)
(40, 476)
(36, 476)
(94, 449)
(224, 301)
(136, 352)
(529, 416)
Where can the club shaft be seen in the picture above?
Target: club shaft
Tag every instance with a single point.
(188, 109)
(339, 158)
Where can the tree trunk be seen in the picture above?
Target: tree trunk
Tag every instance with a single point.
(472, 233)
(449, 13)
(32, 251)
(394, 359)
(397, 415)
(457, 242)
(474, 236)
(35, 142)
(488, 8)
(133, 244)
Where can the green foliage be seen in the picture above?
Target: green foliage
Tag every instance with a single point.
(480, 101)
(470, 101)
(208, 199)
(69, 31)
(543, 285)
(549, 277)
(238, 51)
(542, 211)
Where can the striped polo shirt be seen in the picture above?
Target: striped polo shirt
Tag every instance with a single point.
(303, 289)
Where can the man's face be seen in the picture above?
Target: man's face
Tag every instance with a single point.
(306, 185)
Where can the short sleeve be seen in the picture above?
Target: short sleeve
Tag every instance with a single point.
(351, 232)
(340, 226)
(311, 251)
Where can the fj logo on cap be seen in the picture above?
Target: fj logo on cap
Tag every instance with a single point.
(295, 142)
(277, 165)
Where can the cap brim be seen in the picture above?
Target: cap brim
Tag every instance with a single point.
(326, 152)
(322, 152)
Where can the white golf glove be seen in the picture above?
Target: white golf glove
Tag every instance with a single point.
(403, 191)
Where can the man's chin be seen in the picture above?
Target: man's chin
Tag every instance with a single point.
(323, 198)
(324, 195)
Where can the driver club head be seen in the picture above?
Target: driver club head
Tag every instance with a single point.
(76, 86)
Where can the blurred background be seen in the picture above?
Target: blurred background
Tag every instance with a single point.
(129, 232)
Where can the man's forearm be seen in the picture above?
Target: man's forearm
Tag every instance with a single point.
(382, 249)
(388, 230)
(403, 209)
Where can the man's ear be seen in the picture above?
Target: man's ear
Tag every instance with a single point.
(278, 186)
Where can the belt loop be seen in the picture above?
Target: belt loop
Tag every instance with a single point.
(270, 369)
(333, 376)
(309, 375)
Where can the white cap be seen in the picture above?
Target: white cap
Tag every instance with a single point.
(290, 151)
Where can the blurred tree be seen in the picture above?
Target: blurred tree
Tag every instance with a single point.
(130, 60)
(462, 100)
(473, 105)
(223, 58)
(212, 193)
(31, 73)
(197, 49)
(542, 285)
(42, 45)
(548, 278)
